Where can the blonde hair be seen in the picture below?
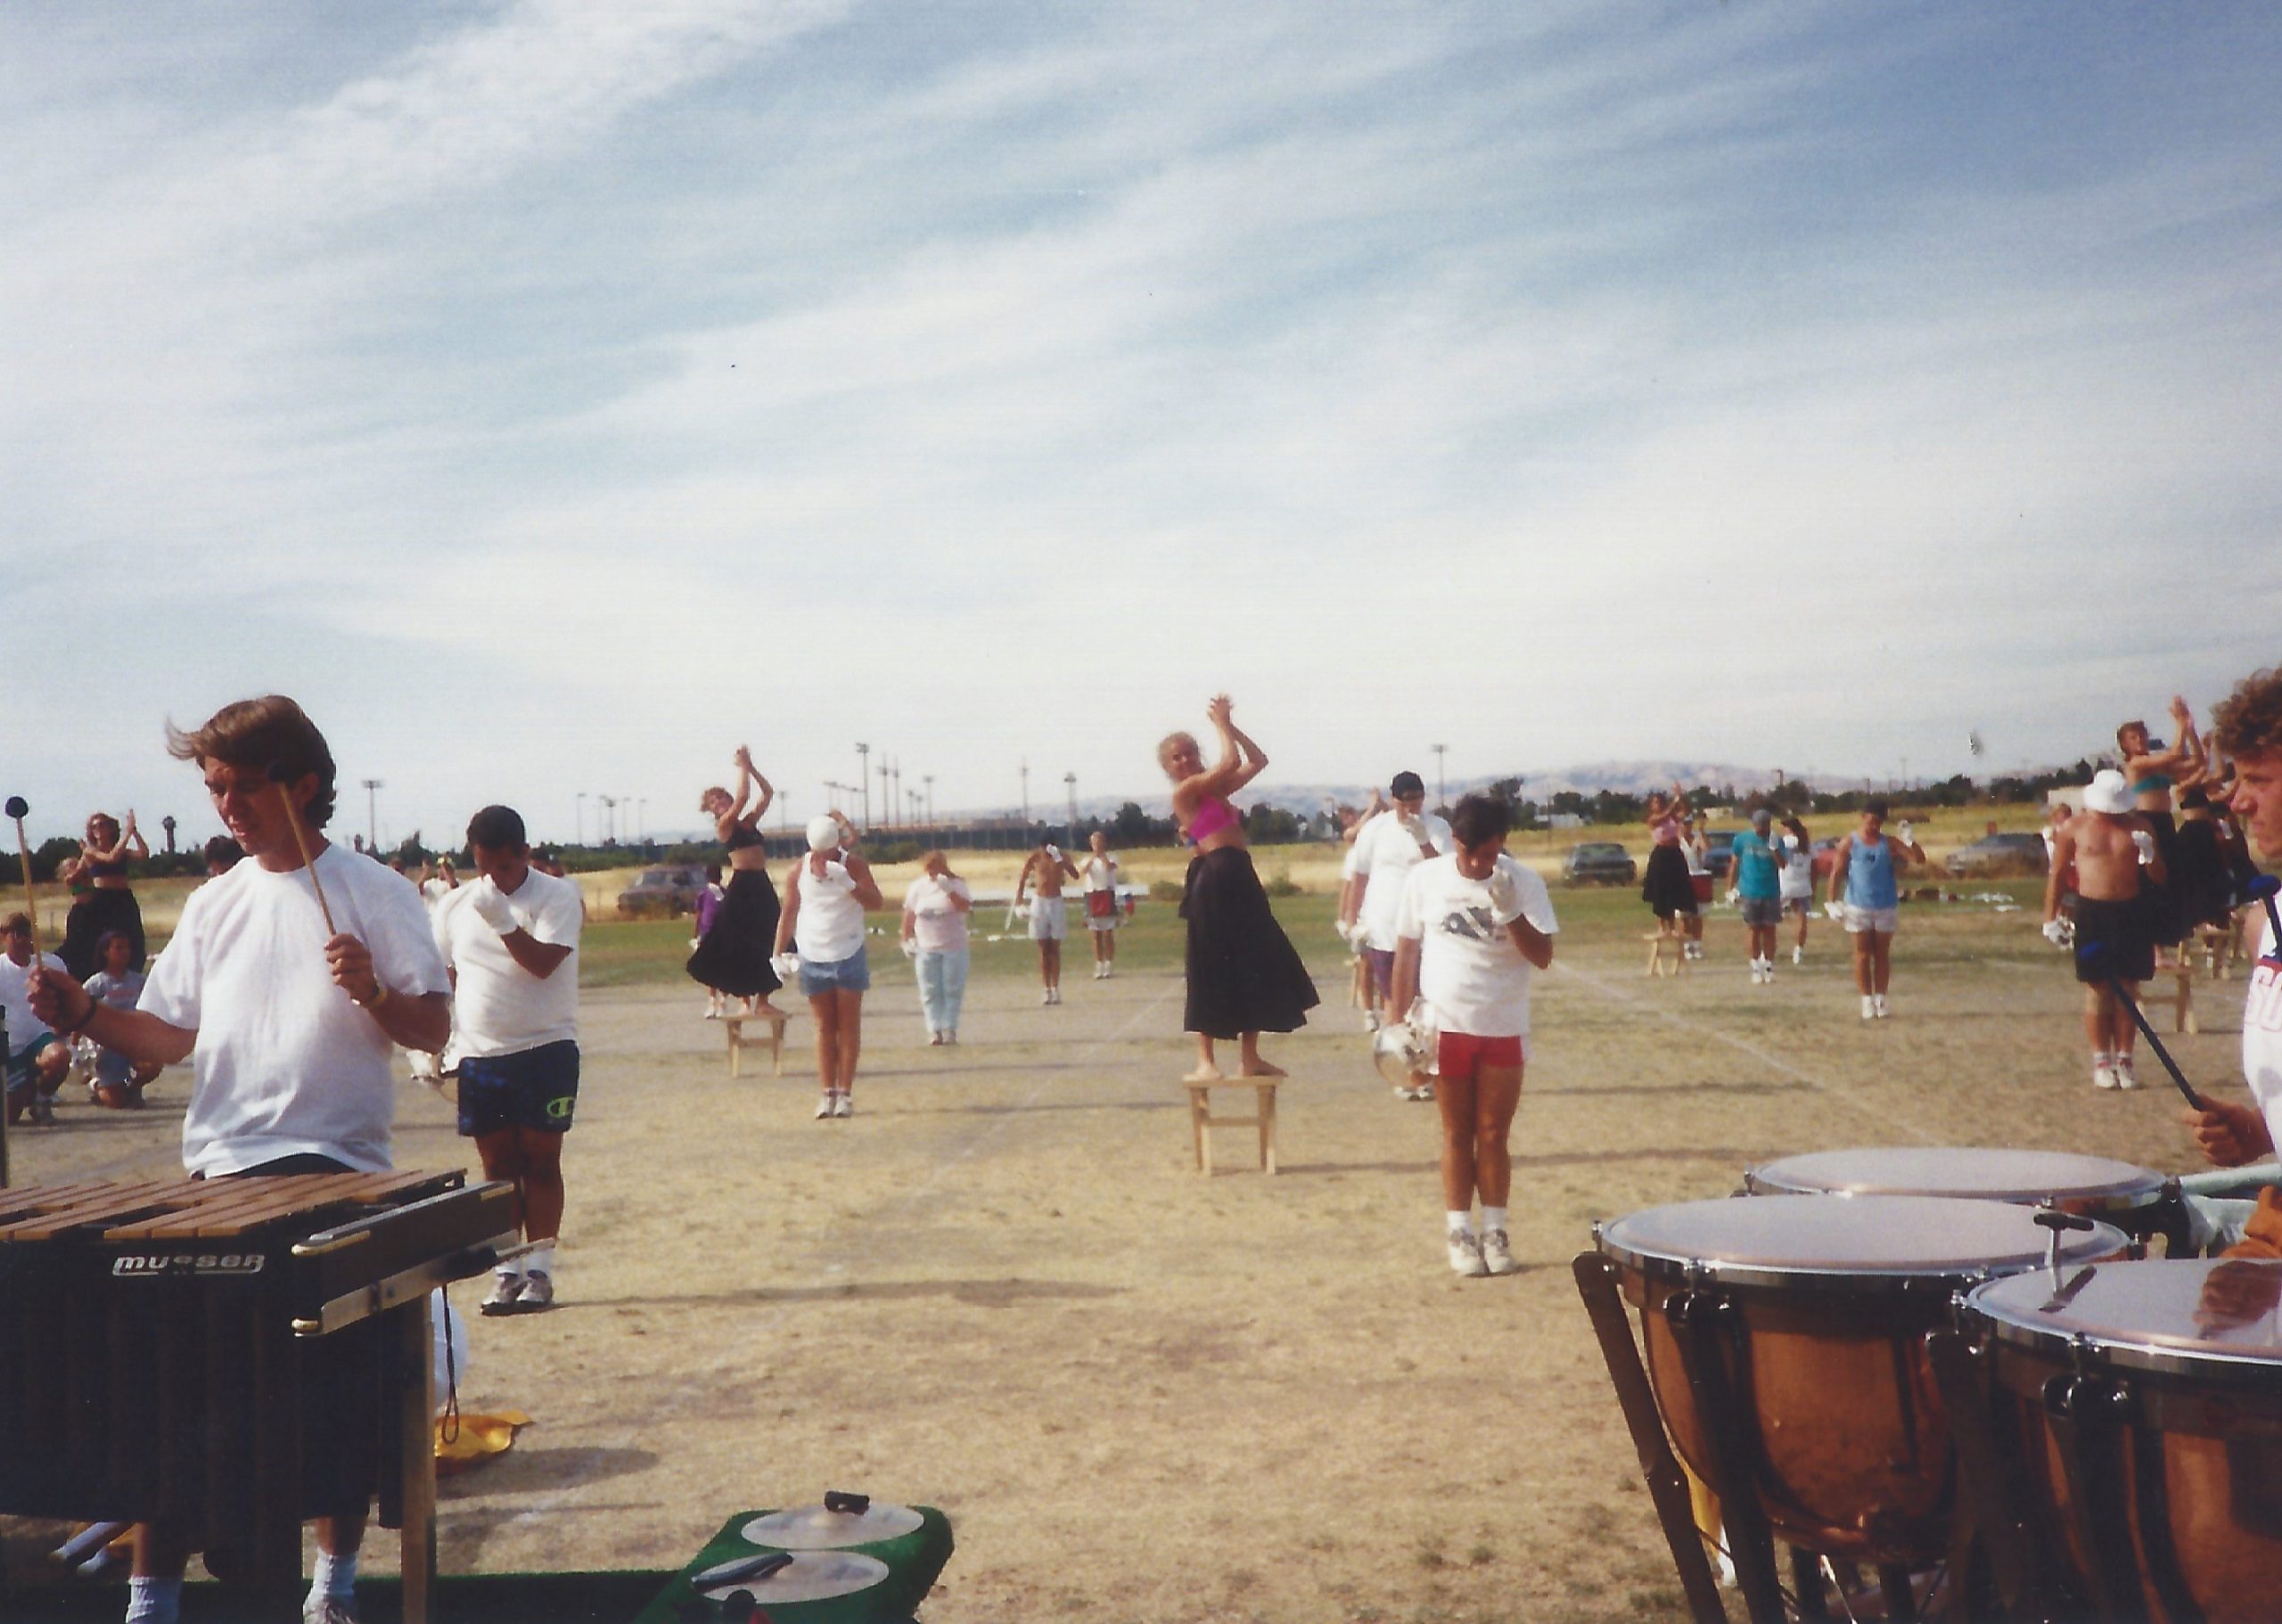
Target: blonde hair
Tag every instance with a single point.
(1165, 746)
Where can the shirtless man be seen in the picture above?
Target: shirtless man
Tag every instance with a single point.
(2107, 843)
(1049, 915)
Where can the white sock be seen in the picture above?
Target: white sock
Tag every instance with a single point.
(1460, 1223)
(540, 1259)
(334, 1575)
(1492, 1218)
(153, 1601)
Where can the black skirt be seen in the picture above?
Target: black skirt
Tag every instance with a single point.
(2163, 907)
(1244, 974)
(96, 912)
(2199, 873)
(732, 956)
(1666, 886)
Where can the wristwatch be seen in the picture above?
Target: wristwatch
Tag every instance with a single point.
(380, 995)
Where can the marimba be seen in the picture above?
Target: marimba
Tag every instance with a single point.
(233, 1356)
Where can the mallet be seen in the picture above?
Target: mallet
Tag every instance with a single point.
(2096, 957)
(301, 840)
(2250, 886)
(17, 807)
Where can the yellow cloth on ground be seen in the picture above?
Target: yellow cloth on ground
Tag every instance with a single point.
(477, 1437)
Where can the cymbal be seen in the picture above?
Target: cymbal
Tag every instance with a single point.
(811, 1576)
(815, 1528)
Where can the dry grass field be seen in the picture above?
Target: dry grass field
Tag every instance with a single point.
(1146, 1395)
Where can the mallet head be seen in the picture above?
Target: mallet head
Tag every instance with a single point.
(18, 806)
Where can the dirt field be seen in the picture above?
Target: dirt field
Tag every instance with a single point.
(1142, 1394)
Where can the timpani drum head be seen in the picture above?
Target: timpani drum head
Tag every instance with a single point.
(1797, 1241)
(1974, 1173)
(811, 1576)
(819, 1528)
(2203, 1317)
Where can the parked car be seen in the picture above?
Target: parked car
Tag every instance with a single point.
(662, 893)
(1719, 851)
(1598, 863)
(1825, 856)
(2000, 854)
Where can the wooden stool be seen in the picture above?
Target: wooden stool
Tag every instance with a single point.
(2182, 1002)
(1201, 1122)
(734, 1025)
(1661, 938)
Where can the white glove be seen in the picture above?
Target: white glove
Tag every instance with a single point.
(2057, 932)
(1734, 896)
(1504, 890)
(910, 947)
(787, 966)
(1836, 910)
(2146, 842)
(1902, 828)
(1053, 852)
(491, 906)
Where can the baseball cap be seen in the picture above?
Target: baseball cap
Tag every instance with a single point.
(1406, 784)
(824, 832)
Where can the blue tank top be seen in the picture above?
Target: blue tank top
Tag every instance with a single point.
(1869, 874)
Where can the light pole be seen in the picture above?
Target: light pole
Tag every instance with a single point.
(783, 825)
(929, 780)
(642, 819)
(887, 795)
(608, 807)
(371, 816)
(899, 782)
(1026, 792)
(1070, 834)
(864, 777)
(1441, 795)
(580, 812)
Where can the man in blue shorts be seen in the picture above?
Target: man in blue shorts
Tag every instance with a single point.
(510, 939)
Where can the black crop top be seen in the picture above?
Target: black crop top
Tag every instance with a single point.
(744, 835)
(114, 870)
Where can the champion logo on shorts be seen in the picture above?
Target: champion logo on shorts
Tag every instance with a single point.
(560, 1107)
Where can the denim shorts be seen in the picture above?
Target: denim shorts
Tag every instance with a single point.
(536, 1088)
(850, 974)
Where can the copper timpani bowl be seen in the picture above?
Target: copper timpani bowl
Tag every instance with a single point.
(1853, 1454)
(2185, 1361)
(2093, 1185)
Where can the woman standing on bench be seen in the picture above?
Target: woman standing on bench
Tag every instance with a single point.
(1243, 977)
(733, 954)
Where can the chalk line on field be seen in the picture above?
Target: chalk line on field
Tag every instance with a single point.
(1884, 1114)
(689, 1390)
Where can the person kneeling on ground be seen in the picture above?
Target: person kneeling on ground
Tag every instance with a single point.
(1473, 927)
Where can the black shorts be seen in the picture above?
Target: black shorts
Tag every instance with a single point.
(535, 1088)
(2122, 929)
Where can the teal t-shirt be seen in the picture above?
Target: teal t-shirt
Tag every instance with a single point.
(1757, 872)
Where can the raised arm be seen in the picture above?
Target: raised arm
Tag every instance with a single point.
(749, 778)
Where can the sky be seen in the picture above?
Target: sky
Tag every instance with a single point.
(554, 396)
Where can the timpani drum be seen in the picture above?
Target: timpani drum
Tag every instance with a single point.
(1821, 1389)
(2093, 1185)
(2148, 1398)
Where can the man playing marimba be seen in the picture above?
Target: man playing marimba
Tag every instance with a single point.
(2248, 726)
(286, 985)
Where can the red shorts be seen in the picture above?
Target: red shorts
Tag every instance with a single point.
(1457, 1054)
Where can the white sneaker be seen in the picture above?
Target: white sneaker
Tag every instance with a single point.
(952, 1036)
(1466, 1254)
(2125, 1076)
(1047, 996)
(506, 1289)
(934, 1040)
(1767, 973)
(843, 1104)
(823, 1104)
(2103, 1071)
(1370, 1021)
(1869, 1007)
(1798, 957)
(1496, 1256)
(1878, 1006)
(1424, 1091)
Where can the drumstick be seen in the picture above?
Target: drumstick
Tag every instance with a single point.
(16, 809)
(301, 840)
(2096, 956)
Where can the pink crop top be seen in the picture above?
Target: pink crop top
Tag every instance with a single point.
(1213, 816)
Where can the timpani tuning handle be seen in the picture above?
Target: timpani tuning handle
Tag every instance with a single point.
(2059, 1223)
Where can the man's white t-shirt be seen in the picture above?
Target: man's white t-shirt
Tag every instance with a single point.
(936, 926)
(1386, 851)
(16, 1000)
(285, 1065)
(1355, 847)
(498, 1007)
(1468, 967)
(2263, 1033)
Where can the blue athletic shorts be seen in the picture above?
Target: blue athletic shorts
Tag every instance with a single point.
(537, 1089)
(23, 1074)
(850, 974)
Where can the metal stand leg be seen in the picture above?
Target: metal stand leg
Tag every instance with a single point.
(1597, 1279)
(1994, 1571)
(1700, 1322)
(1806, 1580)
(2088, 1454)
(416, 1439)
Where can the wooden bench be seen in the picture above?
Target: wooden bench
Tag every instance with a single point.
(1201, 1122)
(735, 1025)
(1667, 935)
(2182, 998)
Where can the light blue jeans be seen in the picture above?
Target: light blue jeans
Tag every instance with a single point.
(942, 988)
